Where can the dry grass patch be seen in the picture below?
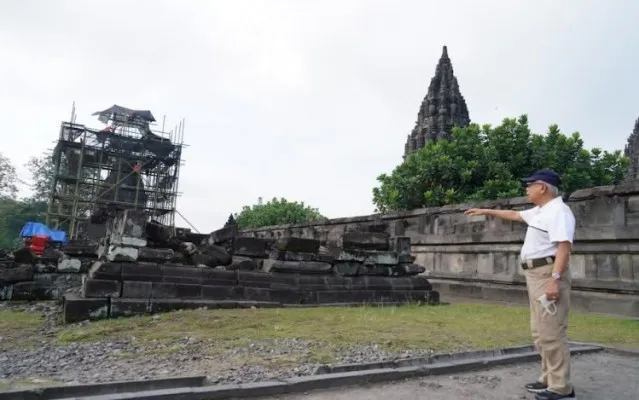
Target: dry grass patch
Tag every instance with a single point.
(19, 329)
(443, 328)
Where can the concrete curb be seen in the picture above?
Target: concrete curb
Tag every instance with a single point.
(108, 388)
(368, 373)
(612, 350)
(436, 358)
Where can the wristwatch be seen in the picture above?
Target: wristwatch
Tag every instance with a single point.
(556, 276)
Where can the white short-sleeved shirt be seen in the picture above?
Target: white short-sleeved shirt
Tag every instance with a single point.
(548, 225)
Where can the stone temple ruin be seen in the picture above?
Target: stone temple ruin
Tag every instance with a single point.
(443, 108)
(141, 267)
(115, 192)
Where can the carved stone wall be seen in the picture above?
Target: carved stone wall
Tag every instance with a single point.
(454, 247)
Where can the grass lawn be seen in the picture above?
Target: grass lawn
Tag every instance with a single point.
(441, 328)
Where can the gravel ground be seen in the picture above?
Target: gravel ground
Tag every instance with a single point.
(128, 359)
(599, 376)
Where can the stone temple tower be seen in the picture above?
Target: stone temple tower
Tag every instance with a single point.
(442, 108)
(632, 152)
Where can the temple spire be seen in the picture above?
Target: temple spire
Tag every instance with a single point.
(442, 108)
(632, 152)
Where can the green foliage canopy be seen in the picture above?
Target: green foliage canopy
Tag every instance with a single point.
(485, 162)
(276, 212)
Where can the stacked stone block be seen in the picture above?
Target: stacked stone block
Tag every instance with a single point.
(115, 289)
(25, 276)
(261, 272)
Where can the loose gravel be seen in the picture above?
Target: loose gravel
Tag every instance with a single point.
(128, 358)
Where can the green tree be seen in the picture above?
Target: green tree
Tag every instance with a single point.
(42, 170)
(8, 178)
(14, 214)
(276, 212)
(485, 162)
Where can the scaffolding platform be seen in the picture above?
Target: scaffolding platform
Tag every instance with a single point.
(124, 165)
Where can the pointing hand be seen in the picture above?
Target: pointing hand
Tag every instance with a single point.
(474, 212)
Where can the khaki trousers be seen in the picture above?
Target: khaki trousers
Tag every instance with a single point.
(549, 331)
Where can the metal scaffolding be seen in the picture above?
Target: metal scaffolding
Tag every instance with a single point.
(125, 165)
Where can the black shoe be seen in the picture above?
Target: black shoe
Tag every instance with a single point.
(550, 395)
(536, 387)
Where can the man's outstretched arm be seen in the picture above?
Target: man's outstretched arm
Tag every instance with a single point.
(509, 215)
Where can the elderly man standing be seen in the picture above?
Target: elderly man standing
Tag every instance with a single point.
(544, 258)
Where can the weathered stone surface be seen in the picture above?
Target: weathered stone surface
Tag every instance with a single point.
(129, 307)
(127, 241)
(401, 244)
(32, 290)
(60, 282)
(382, 258)
(222, 293)
(136, 290)
(51, 254)
(298, 245)
(164, 290)
(128, 223)
(275, 295)
(262, 279)
(157, 232)
(250, 246)
(352, 296)
(188, 248)
(141, 271)
(276, 254)
(376, 270)
(243, 264)
(402, 283)
(80, 249)
(215, 277)
(211, 256)
(151, 254)
(372, 283)
(78, 309)
(167, 305)
(222, 235)
(301, 267)
(6, 291)
(118, 253)
(106, 270)
(17, 274)
(365, 241)
(178, 258)
(100, 288)
(24, 256)
(181, 274)
(70, 265)
(347, 268)
(408, 269)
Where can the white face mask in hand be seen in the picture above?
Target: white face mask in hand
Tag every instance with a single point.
(548, 305)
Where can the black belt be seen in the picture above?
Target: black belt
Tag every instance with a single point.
(537, 262)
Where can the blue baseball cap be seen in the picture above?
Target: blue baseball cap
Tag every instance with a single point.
(545, 175)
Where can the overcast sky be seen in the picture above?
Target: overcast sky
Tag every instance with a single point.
(310, 100)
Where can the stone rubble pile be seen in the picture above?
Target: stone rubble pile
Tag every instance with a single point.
(143, 267)
(25, 276)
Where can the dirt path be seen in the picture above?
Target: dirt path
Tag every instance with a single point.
(600, 376)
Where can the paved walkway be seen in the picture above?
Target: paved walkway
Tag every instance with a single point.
(598, 376)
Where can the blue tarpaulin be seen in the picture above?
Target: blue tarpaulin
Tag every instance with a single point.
(37, 228)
